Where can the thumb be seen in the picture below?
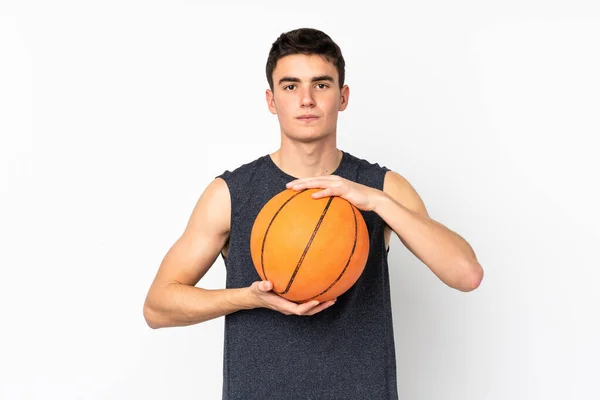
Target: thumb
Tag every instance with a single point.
(265, 286)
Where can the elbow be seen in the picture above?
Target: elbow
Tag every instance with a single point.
(151, 317)
(472, 278)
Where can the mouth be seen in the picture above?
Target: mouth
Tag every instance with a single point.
(307, 118)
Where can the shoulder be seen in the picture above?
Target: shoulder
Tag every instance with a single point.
(242, 172)
(365, 171)
(240, 179)
(364, 163)
(212, 209)
(391, 182)
(400, 189)
(247, 165)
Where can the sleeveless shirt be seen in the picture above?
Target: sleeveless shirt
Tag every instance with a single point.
(345, 352)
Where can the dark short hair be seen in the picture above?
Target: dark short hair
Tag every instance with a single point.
(305, 41)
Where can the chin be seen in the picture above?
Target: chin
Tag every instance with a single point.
(306, 136)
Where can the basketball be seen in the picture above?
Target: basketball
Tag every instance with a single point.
(309, 249)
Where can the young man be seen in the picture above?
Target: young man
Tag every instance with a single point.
(274, 348)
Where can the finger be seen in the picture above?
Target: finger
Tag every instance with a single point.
(313, 178)
(315, 183)
(301, 309)
(278, 303)
(330, 191)
(320, 307)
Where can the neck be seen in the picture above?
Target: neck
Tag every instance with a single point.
(307, 159)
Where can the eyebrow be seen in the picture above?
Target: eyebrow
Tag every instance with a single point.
(314, 79)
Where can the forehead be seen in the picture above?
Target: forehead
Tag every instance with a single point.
(304, 67)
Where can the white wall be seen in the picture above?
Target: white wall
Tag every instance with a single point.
(114, 116)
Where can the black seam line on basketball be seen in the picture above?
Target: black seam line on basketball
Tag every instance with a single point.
(347, 263)
(307, 247)
(262, 249)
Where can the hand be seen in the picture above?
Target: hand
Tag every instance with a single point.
(363, 197)
(264, 297)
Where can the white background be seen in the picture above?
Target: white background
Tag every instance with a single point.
(115, 115)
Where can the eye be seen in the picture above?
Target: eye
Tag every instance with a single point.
(286, 87)
(323, 85)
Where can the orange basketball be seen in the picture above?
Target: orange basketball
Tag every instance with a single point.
(309, 249)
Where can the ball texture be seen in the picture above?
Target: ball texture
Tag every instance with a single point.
(309, 249)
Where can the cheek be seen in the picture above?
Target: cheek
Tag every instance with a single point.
(283, 108)
(333, 105)
(332, 111)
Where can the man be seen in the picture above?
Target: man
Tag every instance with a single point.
(274, 348)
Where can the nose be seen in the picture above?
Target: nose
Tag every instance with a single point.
(307, 99)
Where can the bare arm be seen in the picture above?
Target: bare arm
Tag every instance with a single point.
(446, 253)
(174, 300)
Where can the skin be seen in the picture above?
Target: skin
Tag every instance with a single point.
(302, 84)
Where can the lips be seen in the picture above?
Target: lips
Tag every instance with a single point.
(308, 117)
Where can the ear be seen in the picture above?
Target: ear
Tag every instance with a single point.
(344, 96)
(271, 101)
